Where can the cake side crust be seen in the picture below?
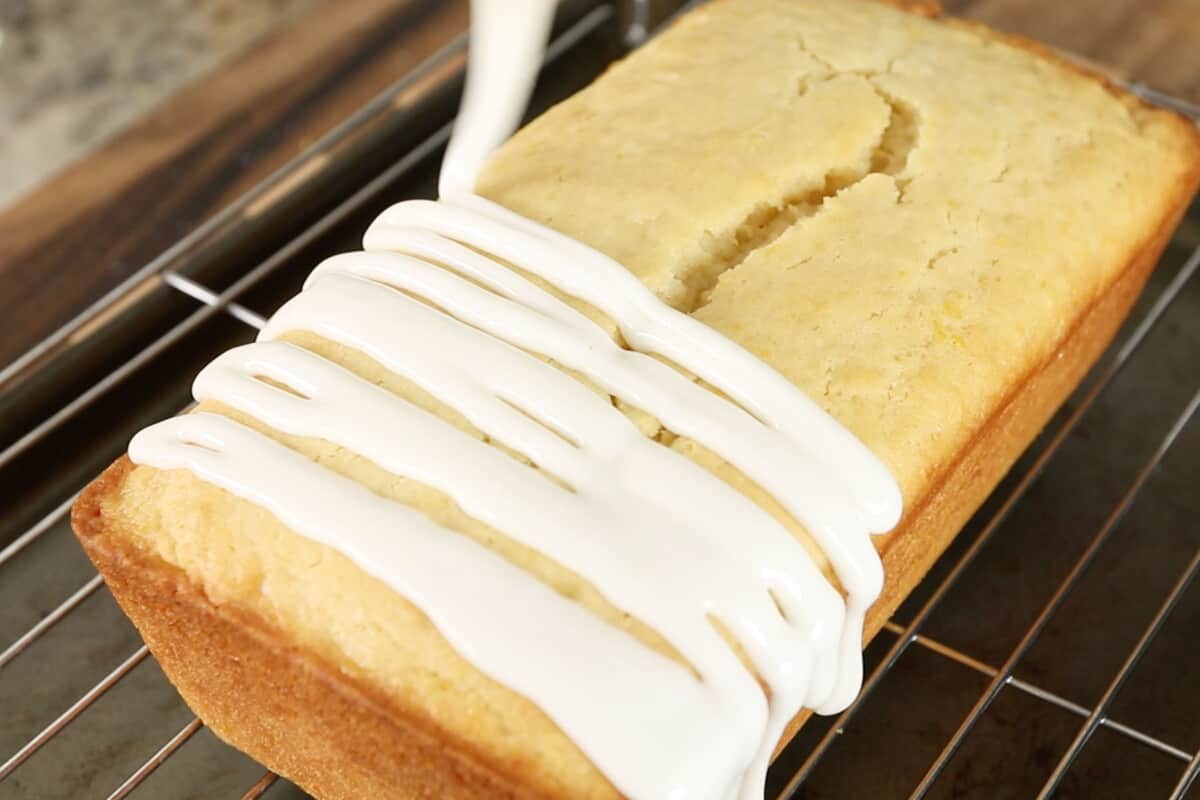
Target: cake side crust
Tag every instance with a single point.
(287, 707)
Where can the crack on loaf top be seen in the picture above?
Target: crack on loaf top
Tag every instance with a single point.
(767, 222)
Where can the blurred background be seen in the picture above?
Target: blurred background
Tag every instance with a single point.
(75, 72)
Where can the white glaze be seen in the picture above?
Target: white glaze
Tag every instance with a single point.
(507, 38)
(658, 536)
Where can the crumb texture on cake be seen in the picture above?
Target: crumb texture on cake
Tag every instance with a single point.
(903, 217)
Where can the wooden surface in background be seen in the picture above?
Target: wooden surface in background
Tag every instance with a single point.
(76, 237)
(80, 234)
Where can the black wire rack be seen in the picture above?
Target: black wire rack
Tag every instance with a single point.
(1052, 651)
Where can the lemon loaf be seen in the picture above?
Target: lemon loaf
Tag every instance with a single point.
(928, 229)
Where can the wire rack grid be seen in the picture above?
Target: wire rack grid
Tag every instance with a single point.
(937, 770)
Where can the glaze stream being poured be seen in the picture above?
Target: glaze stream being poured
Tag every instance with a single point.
(434, 300)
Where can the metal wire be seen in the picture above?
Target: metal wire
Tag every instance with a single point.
(1188, 109)
(208, 297)
(50, 620)
(66, 606)
(74, 710)
(1045, 695)
(1005, 674)
(265, 782)
(40, 527)
(191, 289)
(1138, 335)
(1185, 781)
(161, 755)
(639, 23)
(1098, 713)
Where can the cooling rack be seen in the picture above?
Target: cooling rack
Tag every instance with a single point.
(1051, 651)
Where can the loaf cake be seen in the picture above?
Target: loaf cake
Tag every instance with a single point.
(929, 229)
